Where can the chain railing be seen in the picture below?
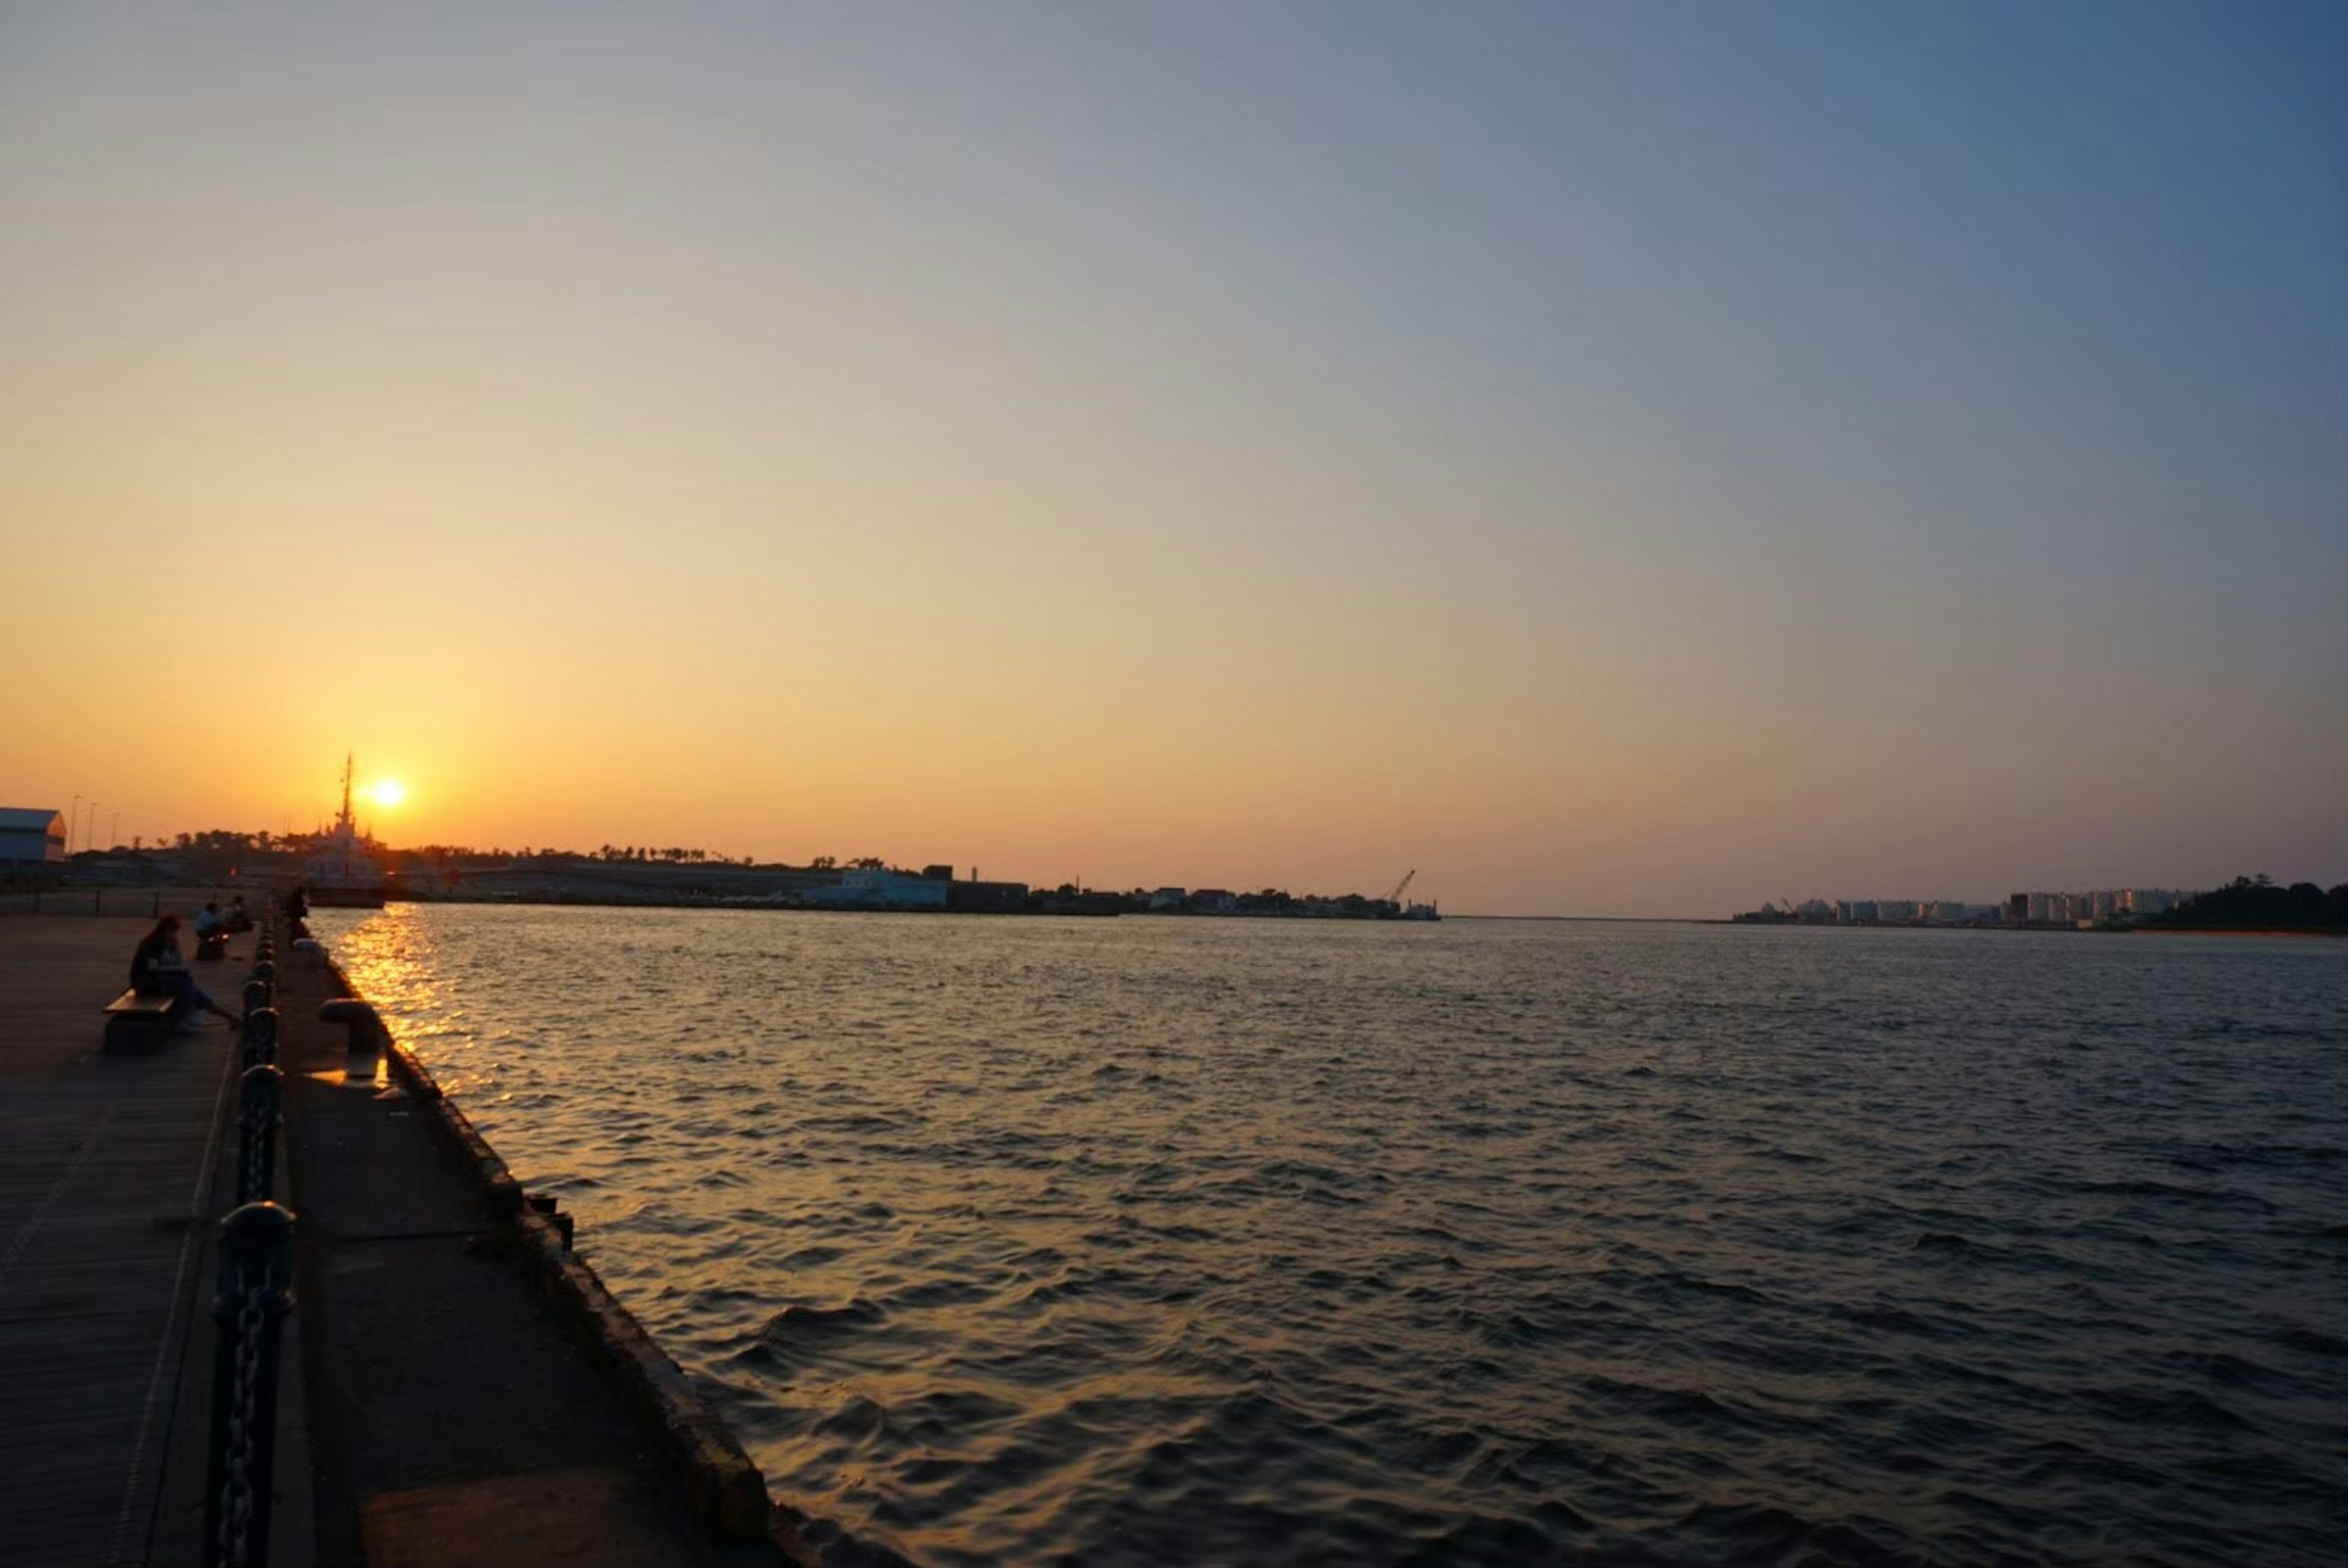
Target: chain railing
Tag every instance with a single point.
(256, 1292)
(260, 1092)
(259, 1032)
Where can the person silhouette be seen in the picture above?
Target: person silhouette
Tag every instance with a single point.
(156, 970)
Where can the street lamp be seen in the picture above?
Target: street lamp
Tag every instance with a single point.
(73, 823)
(89, 839)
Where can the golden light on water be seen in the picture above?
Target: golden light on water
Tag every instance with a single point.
(388, 792)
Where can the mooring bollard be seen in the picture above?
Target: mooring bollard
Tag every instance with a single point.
(259, 1093)
(367, 1031)
(258, 994)
(256, 1292)
(265, 970)
(260, 1037)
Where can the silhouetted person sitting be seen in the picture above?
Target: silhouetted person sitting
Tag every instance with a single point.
(211, 933)
(237, 918)
(156, 971)
(297, 904)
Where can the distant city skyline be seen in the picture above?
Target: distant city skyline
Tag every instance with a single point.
(2136, 898)
(1618, 460)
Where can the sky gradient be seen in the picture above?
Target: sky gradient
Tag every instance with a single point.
(1617, 459)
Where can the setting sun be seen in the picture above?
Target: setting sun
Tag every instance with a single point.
(388, 792)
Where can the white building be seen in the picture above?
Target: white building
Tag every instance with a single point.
(32, 836)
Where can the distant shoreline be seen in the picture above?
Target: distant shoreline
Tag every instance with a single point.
(2334, 933)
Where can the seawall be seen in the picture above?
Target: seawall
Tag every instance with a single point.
(477, 1394)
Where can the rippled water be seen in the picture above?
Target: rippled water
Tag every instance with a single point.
(1184, 1241)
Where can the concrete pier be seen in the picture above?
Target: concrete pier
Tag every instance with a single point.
(458, 1388)
(459, 1420)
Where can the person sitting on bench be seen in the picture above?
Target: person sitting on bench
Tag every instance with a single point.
(238, 918)
(156, 971)
(211, 932)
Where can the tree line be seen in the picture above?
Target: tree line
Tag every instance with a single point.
(2261, 904)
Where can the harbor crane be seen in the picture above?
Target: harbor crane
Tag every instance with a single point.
(1401, 887)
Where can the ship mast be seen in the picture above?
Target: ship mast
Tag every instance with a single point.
(347, 788)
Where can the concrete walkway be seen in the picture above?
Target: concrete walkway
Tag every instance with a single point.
(435, 1413)
(108, 1196)
(455, 1421)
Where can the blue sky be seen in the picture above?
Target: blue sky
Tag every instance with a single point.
(1624, 458)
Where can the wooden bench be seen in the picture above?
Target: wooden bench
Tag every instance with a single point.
(137, 1025)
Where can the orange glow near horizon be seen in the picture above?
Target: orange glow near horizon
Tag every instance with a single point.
(1050, 479)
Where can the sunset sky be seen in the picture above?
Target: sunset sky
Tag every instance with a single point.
(1615, 458)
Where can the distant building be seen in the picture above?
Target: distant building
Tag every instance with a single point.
(1951, 911)
(32, 836)
(2017, 908)
(867, 889)
(1215, 901)
(1168, 899)
(938, 873)
(987, 898)
(1857, 912)
(1896, 910)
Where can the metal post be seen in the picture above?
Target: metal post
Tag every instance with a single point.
(256, 1292)
(259, 1093)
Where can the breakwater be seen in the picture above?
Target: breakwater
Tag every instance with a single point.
(1153, 1242)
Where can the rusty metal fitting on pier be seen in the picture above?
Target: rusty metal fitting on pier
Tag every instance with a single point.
(368, 1034)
